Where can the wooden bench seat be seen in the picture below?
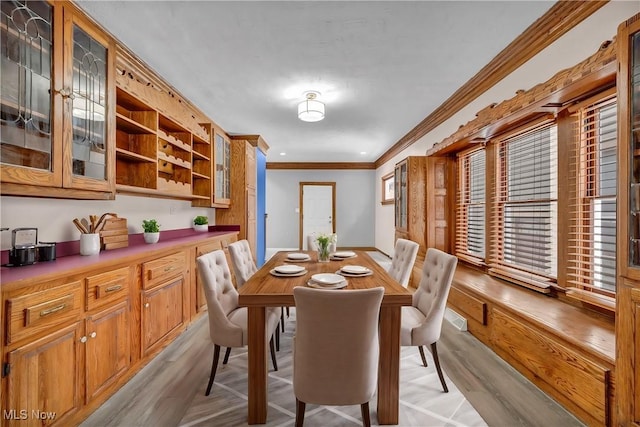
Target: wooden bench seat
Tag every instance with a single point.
(568, 351)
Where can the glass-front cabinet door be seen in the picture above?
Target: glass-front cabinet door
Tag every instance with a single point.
(56, 91)
(27, 80)
(629, 128)
(222, 193)
(400, 182)
(88, 95)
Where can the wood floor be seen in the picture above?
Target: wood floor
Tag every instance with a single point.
(170, 390)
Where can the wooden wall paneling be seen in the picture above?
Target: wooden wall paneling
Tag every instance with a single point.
(567, 190)
(440, 202)
(544, 357)
(468, 304)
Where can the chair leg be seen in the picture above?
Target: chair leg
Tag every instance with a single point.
(282, 319)
(226, 356)
(434, 352)
(214, 366)
(364, 408)
(287, 311)
(273, 354)
(424, 359)
(277, 339)
(300, 408)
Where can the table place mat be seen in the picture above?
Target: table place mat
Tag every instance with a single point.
(345, 274)
(296, 260)
(275, 273)
(337, 258)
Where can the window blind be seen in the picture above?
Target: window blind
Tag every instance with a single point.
(524, 214)
(592, 238)
(470, 200)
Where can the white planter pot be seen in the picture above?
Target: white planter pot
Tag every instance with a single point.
(152, 237)
(201, 227)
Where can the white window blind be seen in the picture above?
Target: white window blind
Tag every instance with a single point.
(524, 216)
(592, 239)
(470, 212)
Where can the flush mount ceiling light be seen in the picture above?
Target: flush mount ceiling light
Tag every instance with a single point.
(311, 110)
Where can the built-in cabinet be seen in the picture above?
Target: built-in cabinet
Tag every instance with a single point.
(71, 338)
(56, 102)
(222, 170)
(410, 207)
(628, 290)
(243, 208)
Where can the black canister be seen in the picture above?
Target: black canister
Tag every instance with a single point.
(23, 255)
(46, 251)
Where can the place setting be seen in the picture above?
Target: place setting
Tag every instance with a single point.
(327, 281)
(297, 257)
(354, 271)
(288, 270)
(342, 255)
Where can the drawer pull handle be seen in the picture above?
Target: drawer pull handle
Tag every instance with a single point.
(146, 305)
(83, 339)
(168, 269)
(52, 310)
(93, 334)
(113, 288)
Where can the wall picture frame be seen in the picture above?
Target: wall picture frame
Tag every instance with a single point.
(388, 189)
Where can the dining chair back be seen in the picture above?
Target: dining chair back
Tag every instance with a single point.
(242, 260)
(422, 322)
(227, 321)
(404, 256)
(335, 356)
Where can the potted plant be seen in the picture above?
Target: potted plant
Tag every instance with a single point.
(151, 230)
(201, 223)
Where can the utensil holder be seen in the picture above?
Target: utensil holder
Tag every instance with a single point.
(89, 244)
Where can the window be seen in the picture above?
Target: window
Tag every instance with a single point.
(524, 215)
(470, 212)
(592, 239)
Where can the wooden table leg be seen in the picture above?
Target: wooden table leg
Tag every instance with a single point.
(389, 368)
(257, 366)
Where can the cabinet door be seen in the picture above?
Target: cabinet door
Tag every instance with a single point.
(108, 350)
(29, 120)
(44, 380)
(222, 178)
(89, 132)
(162, 313)
(251, 220)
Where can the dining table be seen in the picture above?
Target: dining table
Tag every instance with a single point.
(267, 288)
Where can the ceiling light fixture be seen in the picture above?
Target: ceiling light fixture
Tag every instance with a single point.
(311, 110)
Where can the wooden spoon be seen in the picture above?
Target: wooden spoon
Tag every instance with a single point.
(79, 226)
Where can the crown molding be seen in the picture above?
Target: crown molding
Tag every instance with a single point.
(320, 165)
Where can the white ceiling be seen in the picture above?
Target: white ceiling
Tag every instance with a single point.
(381, 67)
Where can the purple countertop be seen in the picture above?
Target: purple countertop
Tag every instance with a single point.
(72, 260)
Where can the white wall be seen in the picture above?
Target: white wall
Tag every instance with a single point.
(355, 199)
(53, 217)
(572, 48)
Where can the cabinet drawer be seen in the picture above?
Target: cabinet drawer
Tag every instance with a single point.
(36, 312)
(157, 271)
(209, 247)
(107, 287)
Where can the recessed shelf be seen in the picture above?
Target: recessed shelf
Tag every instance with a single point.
(133, 157)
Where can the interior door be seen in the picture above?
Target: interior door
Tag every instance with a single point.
(317, 209)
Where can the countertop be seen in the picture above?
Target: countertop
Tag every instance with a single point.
(168, 240)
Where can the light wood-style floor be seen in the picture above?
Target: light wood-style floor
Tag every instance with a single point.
(170, 390)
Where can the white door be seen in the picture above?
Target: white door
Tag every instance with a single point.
(317, 210)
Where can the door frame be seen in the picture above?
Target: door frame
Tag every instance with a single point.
(301, 204)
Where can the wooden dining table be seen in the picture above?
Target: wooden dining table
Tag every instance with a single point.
(264, 290)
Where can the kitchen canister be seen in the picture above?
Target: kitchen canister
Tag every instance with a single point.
(89, 243)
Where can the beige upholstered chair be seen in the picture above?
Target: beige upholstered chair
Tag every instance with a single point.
(404, 255)
(422, 322)
(243, 265)
(227, 321)
(335, 352)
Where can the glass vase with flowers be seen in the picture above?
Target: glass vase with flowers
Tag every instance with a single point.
(323, 242)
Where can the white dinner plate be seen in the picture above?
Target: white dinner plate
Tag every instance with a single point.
(340, 285)
(289, 269)
(298, 256)
(344, 254)
(327, 278)
(355, 269)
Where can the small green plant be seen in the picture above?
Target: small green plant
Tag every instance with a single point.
(150, 226)
(201, 220)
